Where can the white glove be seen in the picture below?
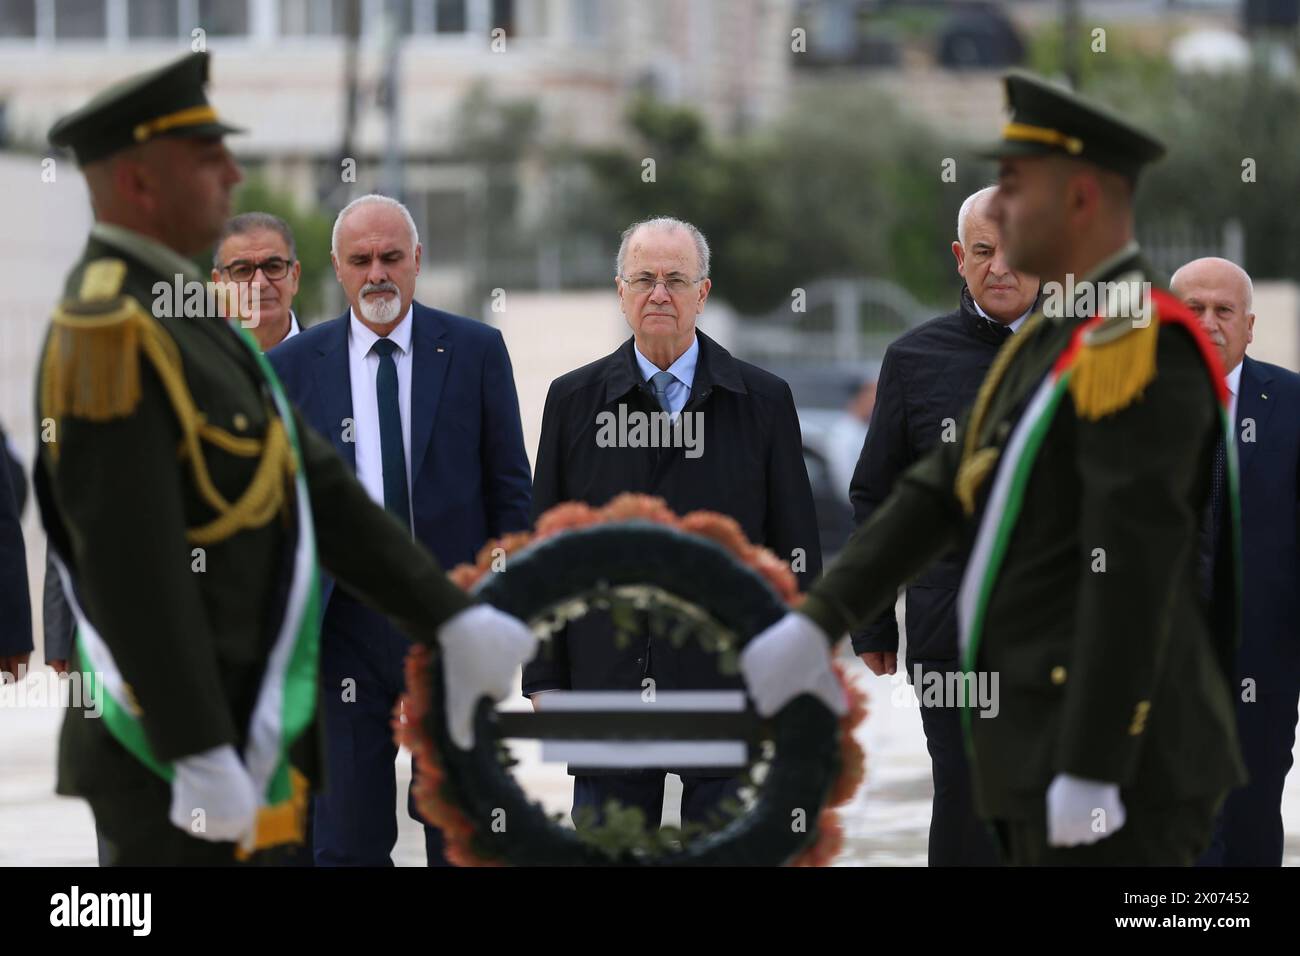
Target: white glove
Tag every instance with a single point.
(790, 658)
(215, 782)
(1072, 805)
(481, 648)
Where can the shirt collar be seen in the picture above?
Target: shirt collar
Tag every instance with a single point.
(1108, 264)
(1233, 379)
(151, 252)
(1013, 326)
(293, 329)
(364, 339)
(683, 369)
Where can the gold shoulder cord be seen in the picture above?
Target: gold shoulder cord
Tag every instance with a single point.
(91, 370)
(976, 465)
(1115, 365)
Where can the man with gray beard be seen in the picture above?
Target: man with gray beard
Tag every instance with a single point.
(422, 404)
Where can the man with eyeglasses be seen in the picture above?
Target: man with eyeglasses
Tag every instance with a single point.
(422, 405)
(745, 461)
(258, 248)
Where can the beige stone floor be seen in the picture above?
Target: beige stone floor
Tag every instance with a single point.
(885, 825)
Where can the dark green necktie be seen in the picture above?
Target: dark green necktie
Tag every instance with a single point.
(392, 456)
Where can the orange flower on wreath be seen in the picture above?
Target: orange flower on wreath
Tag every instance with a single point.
(408, 716)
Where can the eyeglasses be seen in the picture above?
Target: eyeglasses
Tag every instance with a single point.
(241, 270)
(675, 285)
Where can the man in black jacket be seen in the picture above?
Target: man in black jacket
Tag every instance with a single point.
(737, 450)
(928, 376)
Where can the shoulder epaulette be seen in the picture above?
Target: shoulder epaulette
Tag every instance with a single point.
(1114, 361)
(91, 365)
(92, 370)
(102, 280)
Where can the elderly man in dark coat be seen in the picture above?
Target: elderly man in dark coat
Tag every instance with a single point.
(736, 449)
(928, 376)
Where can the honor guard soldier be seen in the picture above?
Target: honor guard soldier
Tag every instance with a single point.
(187, 505)
(1080, 479)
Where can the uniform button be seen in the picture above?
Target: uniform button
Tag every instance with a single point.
(1058, 675)
(240, 421)
(1004, 429)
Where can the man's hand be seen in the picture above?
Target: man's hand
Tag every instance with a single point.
(881, 662)
(216, 783)
(13, 667)
(1080, 812)
(481, 648)
(59, 665)
(790, 658)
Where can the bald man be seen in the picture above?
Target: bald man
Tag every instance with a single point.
(927, 377)
(1265, 407)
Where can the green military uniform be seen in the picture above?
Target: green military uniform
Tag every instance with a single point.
(1083, 446)
(188, 510)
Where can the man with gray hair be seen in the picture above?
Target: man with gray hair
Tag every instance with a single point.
(256, 251)
(1264, 406)
(929, 375)
(422, 404)
(727, 440)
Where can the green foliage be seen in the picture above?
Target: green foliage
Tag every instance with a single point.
(311, 234)
(623, 832)
(842, 185)
(499, 137)
(1213, 124)
(1143, 71)
(1210, 124)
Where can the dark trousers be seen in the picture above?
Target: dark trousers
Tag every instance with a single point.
(133, 829)
(1170, 835)
(645, 790)
(957, 835)
(362, 658)
(1248, 830)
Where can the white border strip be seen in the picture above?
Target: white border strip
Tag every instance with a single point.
(968, 597)
(650, 753)
(712, 701)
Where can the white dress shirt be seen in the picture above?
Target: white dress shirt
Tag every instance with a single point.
(1013, 326)
(293, 330)
(363, 368)
(1233, 379)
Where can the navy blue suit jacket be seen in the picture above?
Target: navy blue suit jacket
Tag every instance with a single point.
(1269, 396)
(470, 479)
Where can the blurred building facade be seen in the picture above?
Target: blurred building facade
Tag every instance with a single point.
(280, 68)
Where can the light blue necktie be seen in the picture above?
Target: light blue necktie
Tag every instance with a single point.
(659, 383)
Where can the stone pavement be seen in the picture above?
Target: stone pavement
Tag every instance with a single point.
(885, 824)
